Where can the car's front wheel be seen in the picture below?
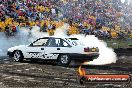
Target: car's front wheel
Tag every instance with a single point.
(64, 60)
(18, 56)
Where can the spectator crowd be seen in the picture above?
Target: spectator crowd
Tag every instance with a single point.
(103, 18)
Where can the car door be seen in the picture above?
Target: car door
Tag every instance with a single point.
(55, 47)
(37, 49)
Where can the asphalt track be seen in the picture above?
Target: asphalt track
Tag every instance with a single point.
(49, 75)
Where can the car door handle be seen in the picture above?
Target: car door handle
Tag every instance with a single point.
(58, 48)
(42, 48)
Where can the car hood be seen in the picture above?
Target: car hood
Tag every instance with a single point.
(20, 47)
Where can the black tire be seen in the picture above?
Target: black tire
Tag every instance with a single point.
(64, 60)
(18, 56)
(92, 58)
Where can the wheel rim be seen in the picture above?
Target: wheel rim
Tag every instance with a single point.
(64, 59)
(16, 56)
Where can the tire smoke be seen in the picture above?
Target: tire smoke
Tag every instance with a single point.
(107, 55)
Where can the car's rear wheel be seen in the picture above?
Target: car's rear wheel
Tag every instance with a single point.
(18, 56)
(92, 58)
(64, 60)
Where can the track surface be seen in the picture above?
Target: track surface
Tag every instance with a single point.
(49, 75)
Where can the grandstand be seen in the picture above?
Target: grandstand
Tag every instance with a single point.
(100, 17)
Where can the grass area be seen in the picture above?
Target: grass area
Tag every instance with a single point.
(114, 43)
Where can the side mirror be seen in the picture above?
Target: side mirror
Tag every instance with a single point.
(44, 44)
(31, 44)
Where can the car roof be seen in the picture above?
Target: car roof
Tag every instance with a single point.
(60, 37)
(50, 37)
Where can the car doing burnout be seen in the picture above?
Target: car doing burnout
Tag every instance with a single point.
(62, 50)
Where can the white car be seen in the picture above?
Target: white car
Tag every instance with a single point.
(62, 50)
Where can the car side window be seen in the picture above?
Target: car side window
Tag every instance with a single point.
(40, 42)
(62, 43)
(57, 43)
(52, 43)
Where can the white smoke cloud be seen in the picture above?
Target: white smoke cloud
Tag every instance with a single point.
(61, 32)
(35, 33)
(122, 1)
(107, 55)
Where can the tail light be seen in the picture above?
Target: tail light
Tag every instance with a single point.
(94, 49)
(86, 49)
